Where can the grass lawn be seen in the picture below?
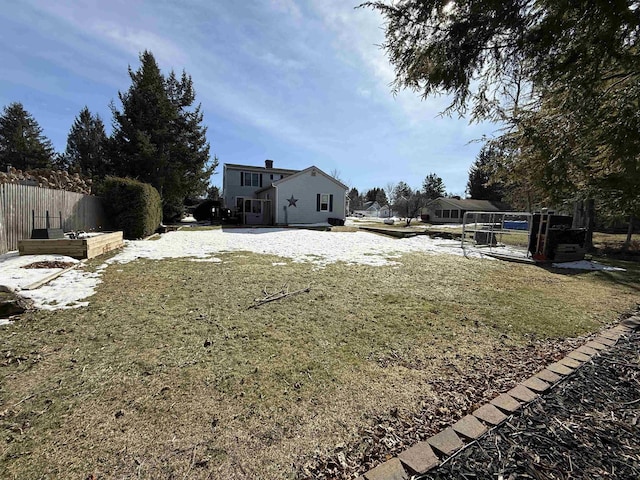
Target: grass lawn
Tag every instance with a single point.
(168, 374)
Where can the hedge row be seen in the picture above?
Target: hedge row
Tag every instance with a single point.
(133, 207)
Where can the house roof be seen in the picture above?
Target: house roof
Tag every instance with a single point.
(472, 205)
(306, 170)
(260, 169)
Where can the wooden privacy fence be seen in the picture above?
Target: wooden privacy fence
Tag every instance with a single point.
(19, 204)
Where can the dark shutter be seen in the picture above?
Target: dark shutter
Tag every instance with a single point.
(242, 179)
(318, 203)
(331, 203)
(260, 180)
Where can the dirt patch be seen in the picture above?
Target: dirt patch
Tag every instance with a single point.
(50, 264)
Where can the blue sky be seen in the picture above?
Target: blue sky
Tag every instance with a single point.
(300, 82)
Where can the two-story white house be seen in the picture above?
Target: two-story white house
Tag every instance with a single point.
(277, 196)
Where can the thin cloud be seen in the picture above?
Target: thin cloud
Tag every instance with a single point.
(281, 63)
(305, 79)
(289, 7)
(136, 40)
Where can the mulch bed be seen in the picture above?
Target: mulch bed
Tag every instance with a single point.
(587, 427)
(50, 264)
(457, 394)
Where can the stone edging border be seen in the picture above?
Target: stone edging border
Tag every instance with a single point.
(436, 450)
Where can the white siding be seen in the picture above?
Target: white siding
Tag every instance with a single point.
(231, 183)
(305, 188)
(232, 188)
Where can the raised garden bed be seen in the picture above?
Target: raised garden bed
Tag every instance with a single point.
(80, 248)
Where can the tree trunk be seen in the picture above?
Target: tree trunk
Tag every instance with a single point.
(591, 220)
(627, 242)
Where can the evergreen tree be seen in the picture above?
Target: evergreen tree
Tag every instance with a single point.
(355, 199)
(481, 184)
(370, 196)
(433, 187)
(86, 151)
(401, 190)
(561, 76)
(213, 193)
(22, 144)
(159, 138)
(376, 194)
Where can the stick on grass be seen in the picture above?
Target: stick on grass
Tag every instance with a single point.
(276, 296)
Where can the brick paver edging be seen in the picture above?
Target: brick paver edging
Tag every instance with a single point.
(429, 454)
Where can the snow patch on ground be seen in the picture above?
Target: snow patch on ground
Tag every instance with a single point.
(13, 275)
(447, 225)
(319, 248)
(210, 259)
(66, 291)
(321, 224)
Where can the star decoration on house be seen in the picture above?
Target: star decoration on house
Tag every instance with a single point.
(292, 201)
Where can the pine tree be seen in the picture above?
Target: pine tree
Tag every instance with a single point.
(433, 187)
(401, 190)
(355, 199)
(376, 194)
(562, 77)
(481, 185)
(213, 193)
(158, 138)
(22, 144)
(86, 151)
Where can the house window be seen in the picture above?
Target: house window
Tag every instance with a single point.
(446, 213)
(324, 202)
(455, 213)
(251, 179)
(439, 213)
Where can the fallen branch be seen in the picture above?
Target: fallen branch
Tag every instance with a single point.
(272, 297)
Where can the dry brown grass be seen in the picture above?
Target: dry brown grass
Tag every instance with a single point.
(167, 374)
(608, 242)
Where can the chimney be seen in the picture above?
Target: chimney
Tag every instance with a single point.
(268, 164)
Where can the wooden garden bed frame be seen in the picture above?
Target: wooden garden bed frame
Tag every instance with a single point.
(80, 248)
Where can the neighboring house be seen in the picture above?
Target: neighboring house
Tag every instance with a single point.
(274, 196)
(452, 210)
(386, 212)
(369, 209)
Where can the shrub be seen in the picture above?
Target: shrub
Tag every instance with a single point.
(172, 210)
(133, 207)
